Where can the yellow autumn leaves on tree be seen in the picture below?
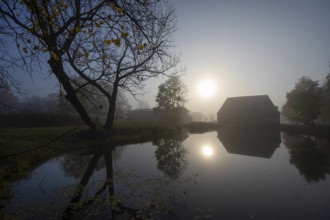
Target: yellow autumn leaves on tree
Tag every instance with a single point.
(107, 41)
(60, 8)
(124, 35)
(117, 42)
(141, 46)
(116, 8)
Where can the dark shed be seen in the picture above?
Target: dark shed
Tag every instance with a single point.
(248, 111)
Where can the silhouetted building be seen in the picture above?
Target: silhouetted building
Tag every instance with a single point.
(248, 111)
(250, 142)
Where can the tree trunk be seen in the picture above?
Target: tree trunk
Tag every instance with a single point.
(112, 109)
(58, 70)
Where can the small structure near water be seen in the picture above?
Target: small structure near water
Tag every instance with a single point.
(248, 111)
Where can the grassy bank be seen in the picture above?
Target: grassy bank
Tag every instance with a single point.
(38, 119)
(15, 140)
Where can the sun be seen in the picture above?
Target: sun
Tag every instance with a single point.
(206, 88)
(207, 151)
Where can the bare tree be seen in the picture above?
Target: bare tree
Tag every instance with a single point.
(6, 79)
(121, 43)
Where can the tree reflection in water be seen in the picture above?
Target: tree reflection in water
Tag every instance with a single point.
(171, 156)
(135, 199)
(75, 165)
(75, 203)
(310, 157)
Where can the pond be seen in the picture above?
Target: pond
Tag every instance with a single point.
(214, 175)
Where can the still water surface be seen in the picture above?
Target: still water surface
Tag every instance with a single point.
(210, 175)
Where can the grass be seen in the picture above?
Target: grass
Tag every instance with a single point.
(38, 119)
(14, 140)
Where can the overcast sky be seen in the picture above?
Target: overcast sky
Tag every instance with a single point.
(248, 47)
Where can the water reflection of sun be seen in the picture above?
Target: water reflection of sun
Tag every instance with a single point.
(207, 151)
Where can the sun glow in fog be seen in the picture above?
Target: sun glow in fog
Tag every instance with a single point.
(207, 151)
(206, 88)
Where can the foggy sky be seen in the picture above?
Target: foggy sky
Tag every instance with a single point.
(249, 47)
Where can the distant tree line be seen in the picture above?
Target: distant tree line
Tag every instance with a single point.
(11, 103)
(94, 103)
(308, 103)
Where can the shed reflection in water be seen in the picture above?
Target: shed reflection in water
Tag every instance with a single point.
(250, 142)
(184, 178)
